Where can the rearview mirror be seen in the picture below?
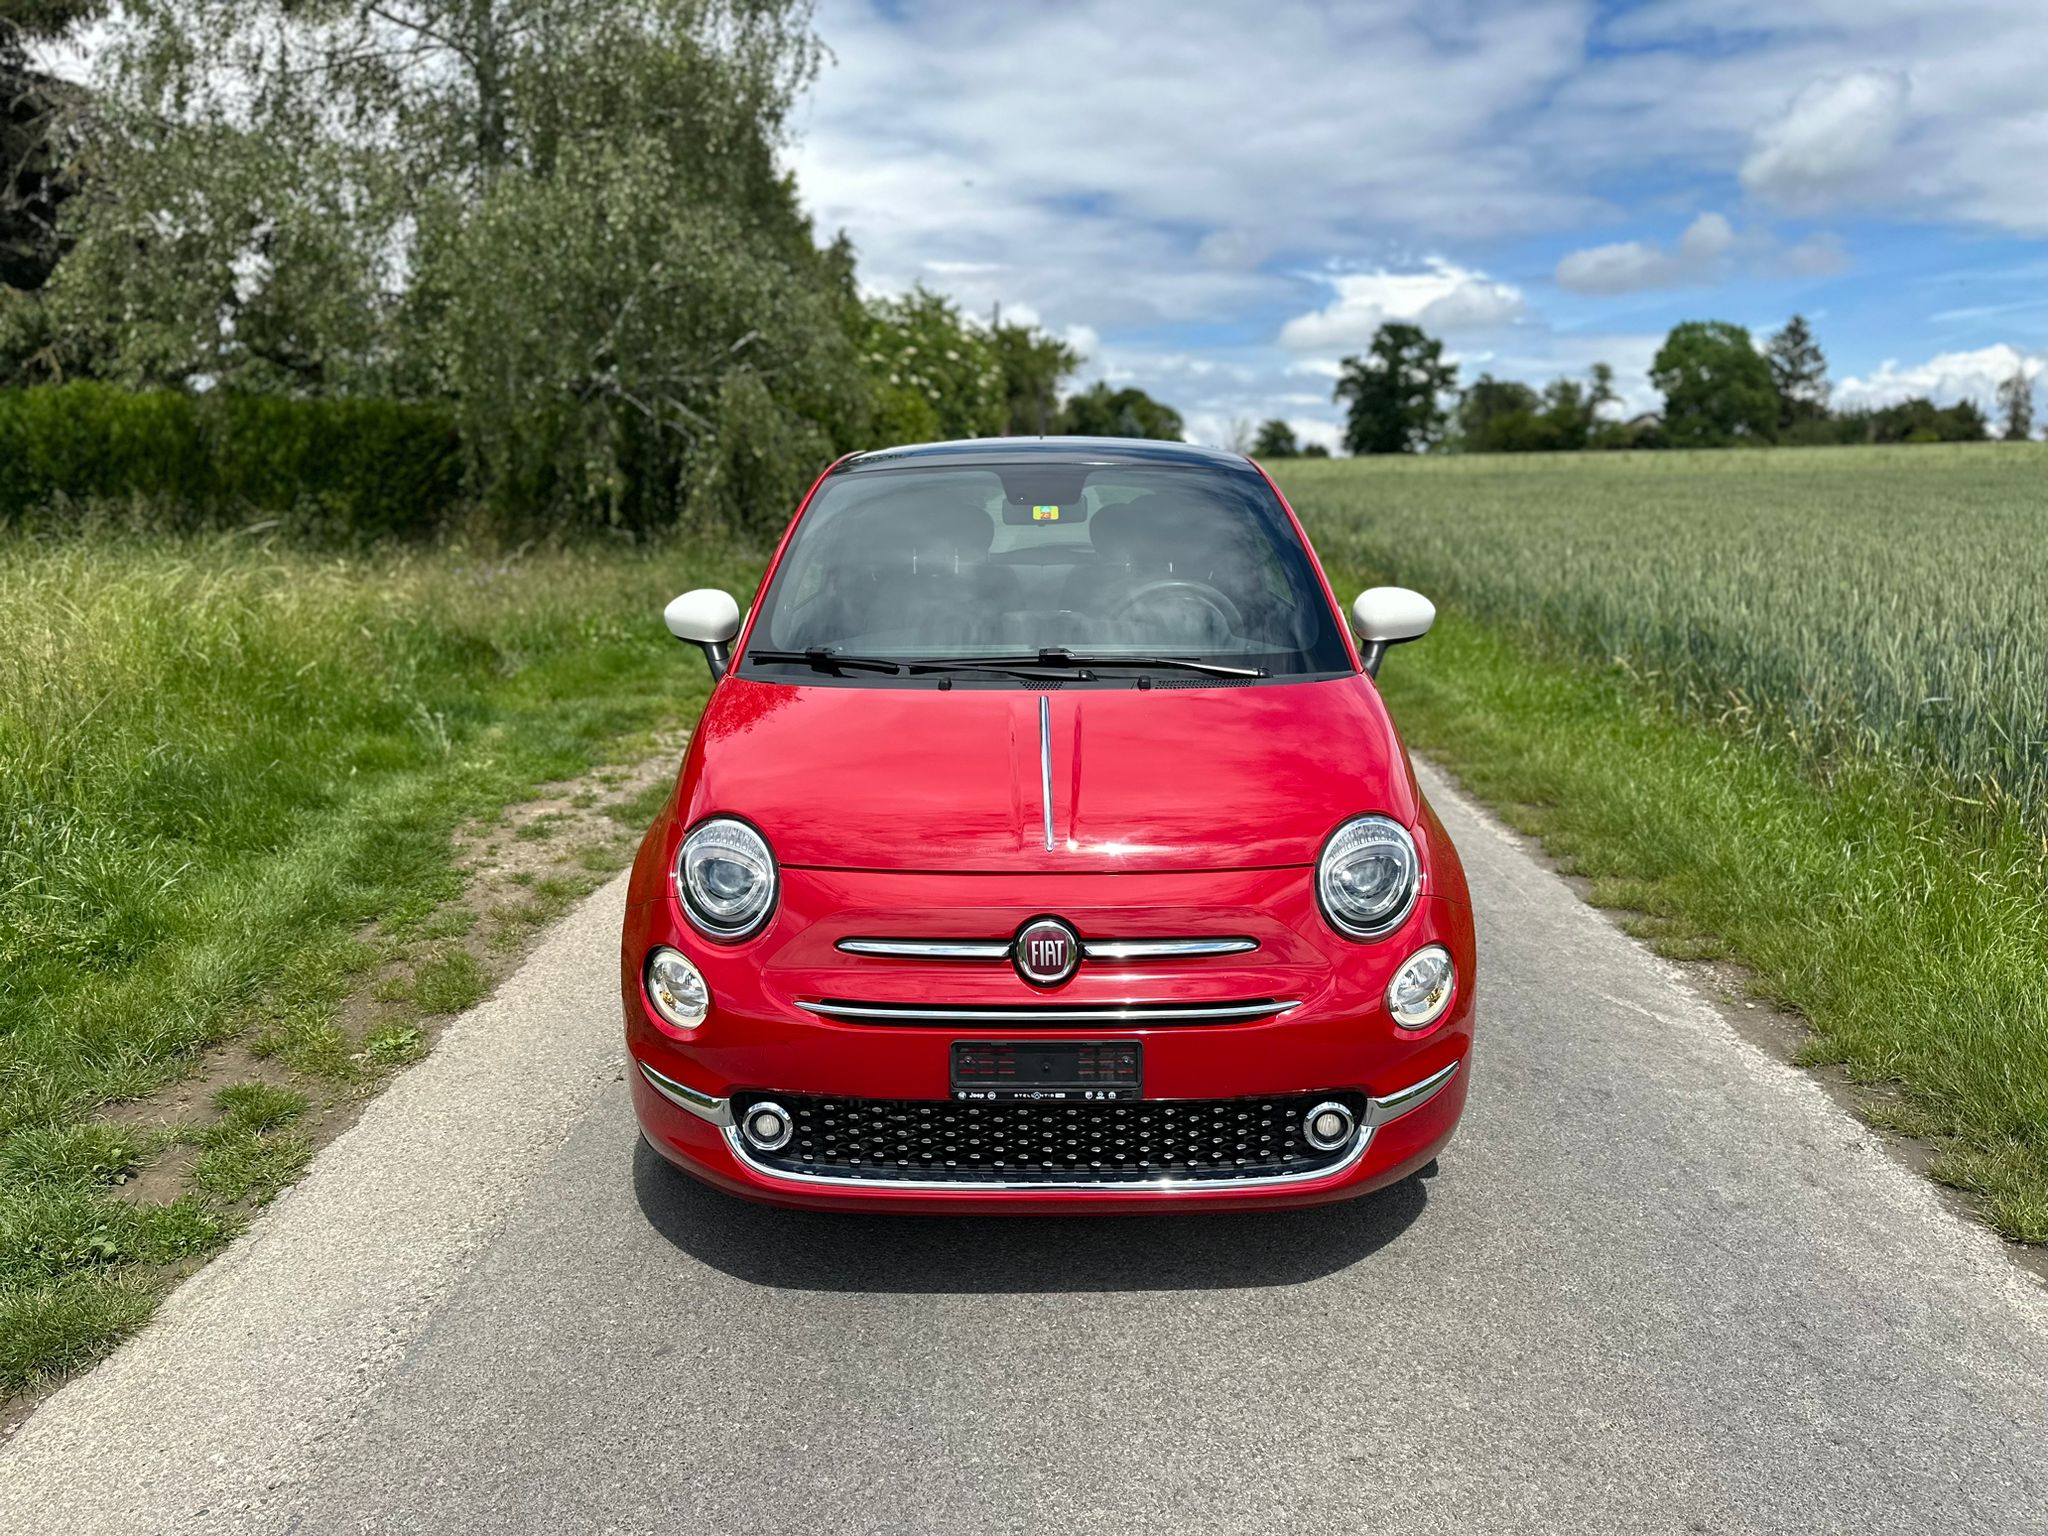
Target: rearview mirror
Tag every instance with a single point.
(707, 618)
(1385, 616)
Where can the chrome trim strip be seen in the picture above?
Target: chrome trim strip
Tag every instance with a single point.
(929, 949)
(702, 1105)
(969, 1015)
(1377, 1113)
(1414, 1096)
(1163, 949)
(1045, 761)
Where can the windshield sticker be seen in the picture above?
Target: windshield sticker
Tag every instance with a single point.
(1045, 514)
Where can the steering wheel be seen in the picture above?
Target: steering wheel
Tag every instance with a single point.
(1200, 591)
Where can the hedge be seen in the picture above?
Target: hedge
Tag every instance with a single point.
(348, 468)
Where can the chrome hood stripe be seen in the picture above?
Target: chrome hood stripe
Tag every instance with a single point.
(1045, 761)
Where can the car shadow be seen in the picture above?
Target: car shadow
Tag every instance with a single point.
(827, 1251)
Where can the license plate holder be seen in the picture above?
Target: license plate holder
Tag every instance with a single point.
(1047, 1071)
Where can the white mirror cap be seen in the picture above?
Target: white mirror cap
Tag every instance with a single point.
(706, 616)
(1389, 615)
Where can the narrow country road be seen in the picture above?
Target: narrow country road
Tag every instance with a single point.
(1660, 1283)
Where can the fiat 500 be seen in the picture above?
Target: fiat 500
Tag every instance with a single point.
(1045, 846)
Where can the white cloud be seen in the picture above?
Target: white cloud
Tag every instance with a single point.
(1162, 200)
(1171, 217)
(1923, 110)
(1441, 297)
(1710, 250)
(1699, 256)
(1832, 143)
(1944, 379)
(1309, 430)
(1816, 256)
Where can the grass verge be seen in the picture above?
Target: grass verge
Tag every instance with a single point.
(262, 829)
(1910, 940)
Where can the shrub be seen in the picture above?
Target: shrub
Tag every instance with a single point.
(352, 469)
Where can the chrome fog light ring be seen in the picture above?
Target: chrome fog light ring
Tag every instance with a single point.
(767, 1126)
(1328, 1126)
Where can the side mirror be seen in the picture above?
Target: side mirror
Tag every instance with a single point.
(709, 618)
(1385, 616)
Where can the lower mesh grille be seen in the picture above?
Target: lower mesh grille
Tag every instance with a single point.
(1128, 1142)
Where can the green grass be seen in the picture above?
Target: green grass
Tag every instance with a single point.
(1849, 604)
(1701, 678)
(220, 763)
(1786, 707)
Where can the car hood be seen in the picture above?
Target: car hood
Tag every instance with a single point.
(1162, 778)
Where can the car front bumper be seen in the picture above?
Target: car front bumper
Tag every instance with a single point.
(1397, 1134)
(772, 1034)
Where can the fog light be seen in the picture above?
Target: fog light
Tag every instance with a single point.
(1421, 988)
(677, 989)
(767, 1127)
(1327, 1127)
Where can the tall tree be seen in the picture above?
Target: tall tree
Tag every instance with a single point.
(1100, 411)
(938, 377)
(38, 141)
(1602, 392)
(1396, 392)
(569, 217)
(1799, 373)
(1717, 389)
(1275, 440)
(1034, 366)
(1495, 415)
(2016, 406)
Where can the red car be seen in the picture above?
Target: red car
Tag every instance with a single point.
(1045, 846)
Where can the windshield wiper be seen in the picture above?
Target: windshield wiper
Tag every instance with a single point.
(1008, 666)
(1060, 656)
(822, 658)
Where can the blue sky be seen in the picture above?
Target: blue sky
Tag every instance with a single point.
(1218, 201)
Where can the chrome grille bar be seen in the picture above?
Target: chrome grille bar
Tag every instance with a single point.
(929, 949)
(1164, 949)
(1106, 1013)
(1093, 949)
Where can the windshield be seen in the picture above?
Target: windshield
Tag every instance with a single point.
(1004, 560)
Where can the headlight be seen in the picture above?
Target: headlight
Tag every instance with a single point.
(677, 990)
(1421, 989)
(1367, 877)
(727, 877)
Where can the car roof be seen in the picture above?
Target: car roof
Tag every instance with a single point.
(1048, 450)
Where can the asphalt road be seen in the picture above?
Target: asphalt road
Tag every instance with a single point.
(1659, 1283)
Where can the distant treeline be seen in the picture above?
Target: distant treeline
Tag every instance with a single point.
(1719, 391)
